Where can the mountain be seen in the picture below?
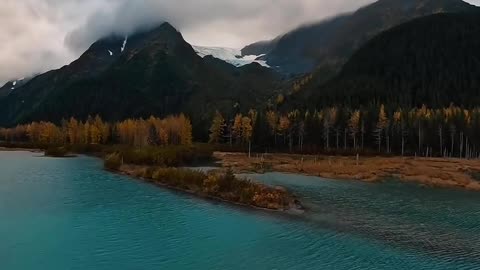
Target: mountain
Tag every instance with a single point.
(10, 86)
(229, 55)
(260, 48)
(332, 41)
(157, 72)
(432, 60)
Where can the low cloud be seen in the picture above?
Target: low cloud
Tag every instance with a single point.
(229, 23)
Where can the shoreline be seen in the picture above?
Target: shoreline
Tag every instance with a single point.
(15, 149)
(430, 172)
(294, 208)
(37, 151)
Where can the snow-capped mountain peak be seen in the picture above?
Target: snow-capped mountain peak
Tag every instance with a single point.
(229, 55)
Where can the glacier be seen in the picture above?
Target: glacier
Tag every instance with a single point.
(229, 55)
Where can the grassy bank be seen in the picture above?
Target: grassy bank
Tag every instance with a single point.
(433, 172)
(215, 185)
(157, 166)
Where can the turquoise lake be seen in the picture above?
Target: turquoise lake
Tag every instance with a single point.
(70, 214)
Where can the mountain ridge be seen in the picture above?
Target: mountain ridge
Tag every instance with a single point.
(158, 73)
(432, 60)
(335, 39)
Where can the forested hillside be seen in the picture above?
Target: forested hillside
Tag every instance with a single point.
(333, 41)
(412, 89)
(433, 60)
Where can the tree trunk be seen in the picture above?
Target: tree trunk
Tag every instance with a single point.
(419, 139)
(452, 144)
(363, 134)
(328, 138)
(388, 144)
(337, 133)
(440, 133)
(461, 145)
(379, 143)
(467, 150)
(301, 144)
(290, 142)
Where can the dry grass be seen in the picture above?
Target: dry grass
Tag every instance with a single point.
(438, 172)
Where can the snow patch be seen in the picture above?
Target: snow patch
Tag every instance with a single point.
(124, 44)
(14, 83)
(229, 55)
(110, 52)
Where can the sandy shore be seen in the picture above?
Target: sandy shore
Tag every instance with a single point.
(435, 172)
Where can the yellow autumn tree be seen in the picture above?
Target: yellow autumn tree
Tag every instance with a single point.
(186, 137)
(247, 131)
(283, 127)
(382, 124)
(354, 126)
(272, 120)
(73, 131)
(96, 130)
(217, 128)
(237, 127)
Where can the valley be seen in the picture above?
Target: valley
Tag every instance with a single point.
(351, 141)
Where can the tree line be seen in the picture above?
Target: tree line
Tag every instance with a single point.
(172, 130)
(447, 132)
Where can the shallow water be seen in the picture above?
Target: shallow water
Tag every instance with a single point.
(70, 214)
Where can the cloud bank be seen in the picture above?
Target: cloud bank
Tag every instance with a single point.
(39, 35)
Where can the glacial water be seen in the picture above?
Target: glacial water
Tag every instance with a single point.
(70, 214)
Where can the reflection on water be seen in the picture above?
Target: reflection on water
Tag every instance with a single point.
(70, 214)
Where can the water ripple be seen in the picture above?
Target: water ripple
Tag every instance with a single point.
(70, 214)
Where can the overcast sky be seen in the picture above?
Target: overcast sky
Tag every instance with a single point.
(39, 35)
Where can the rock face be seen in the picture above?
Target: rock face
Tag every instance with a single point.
(334, 40)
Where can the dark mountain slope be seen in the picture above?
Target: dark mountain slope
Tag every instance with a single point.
(10, 86)
(433, 60)
(334, 40)
(261, 47)
(158, 73)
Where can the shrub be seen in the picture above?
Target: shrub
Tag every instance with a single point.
(220, 185)
(113, 161)
(56, 152)
(164, 156)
